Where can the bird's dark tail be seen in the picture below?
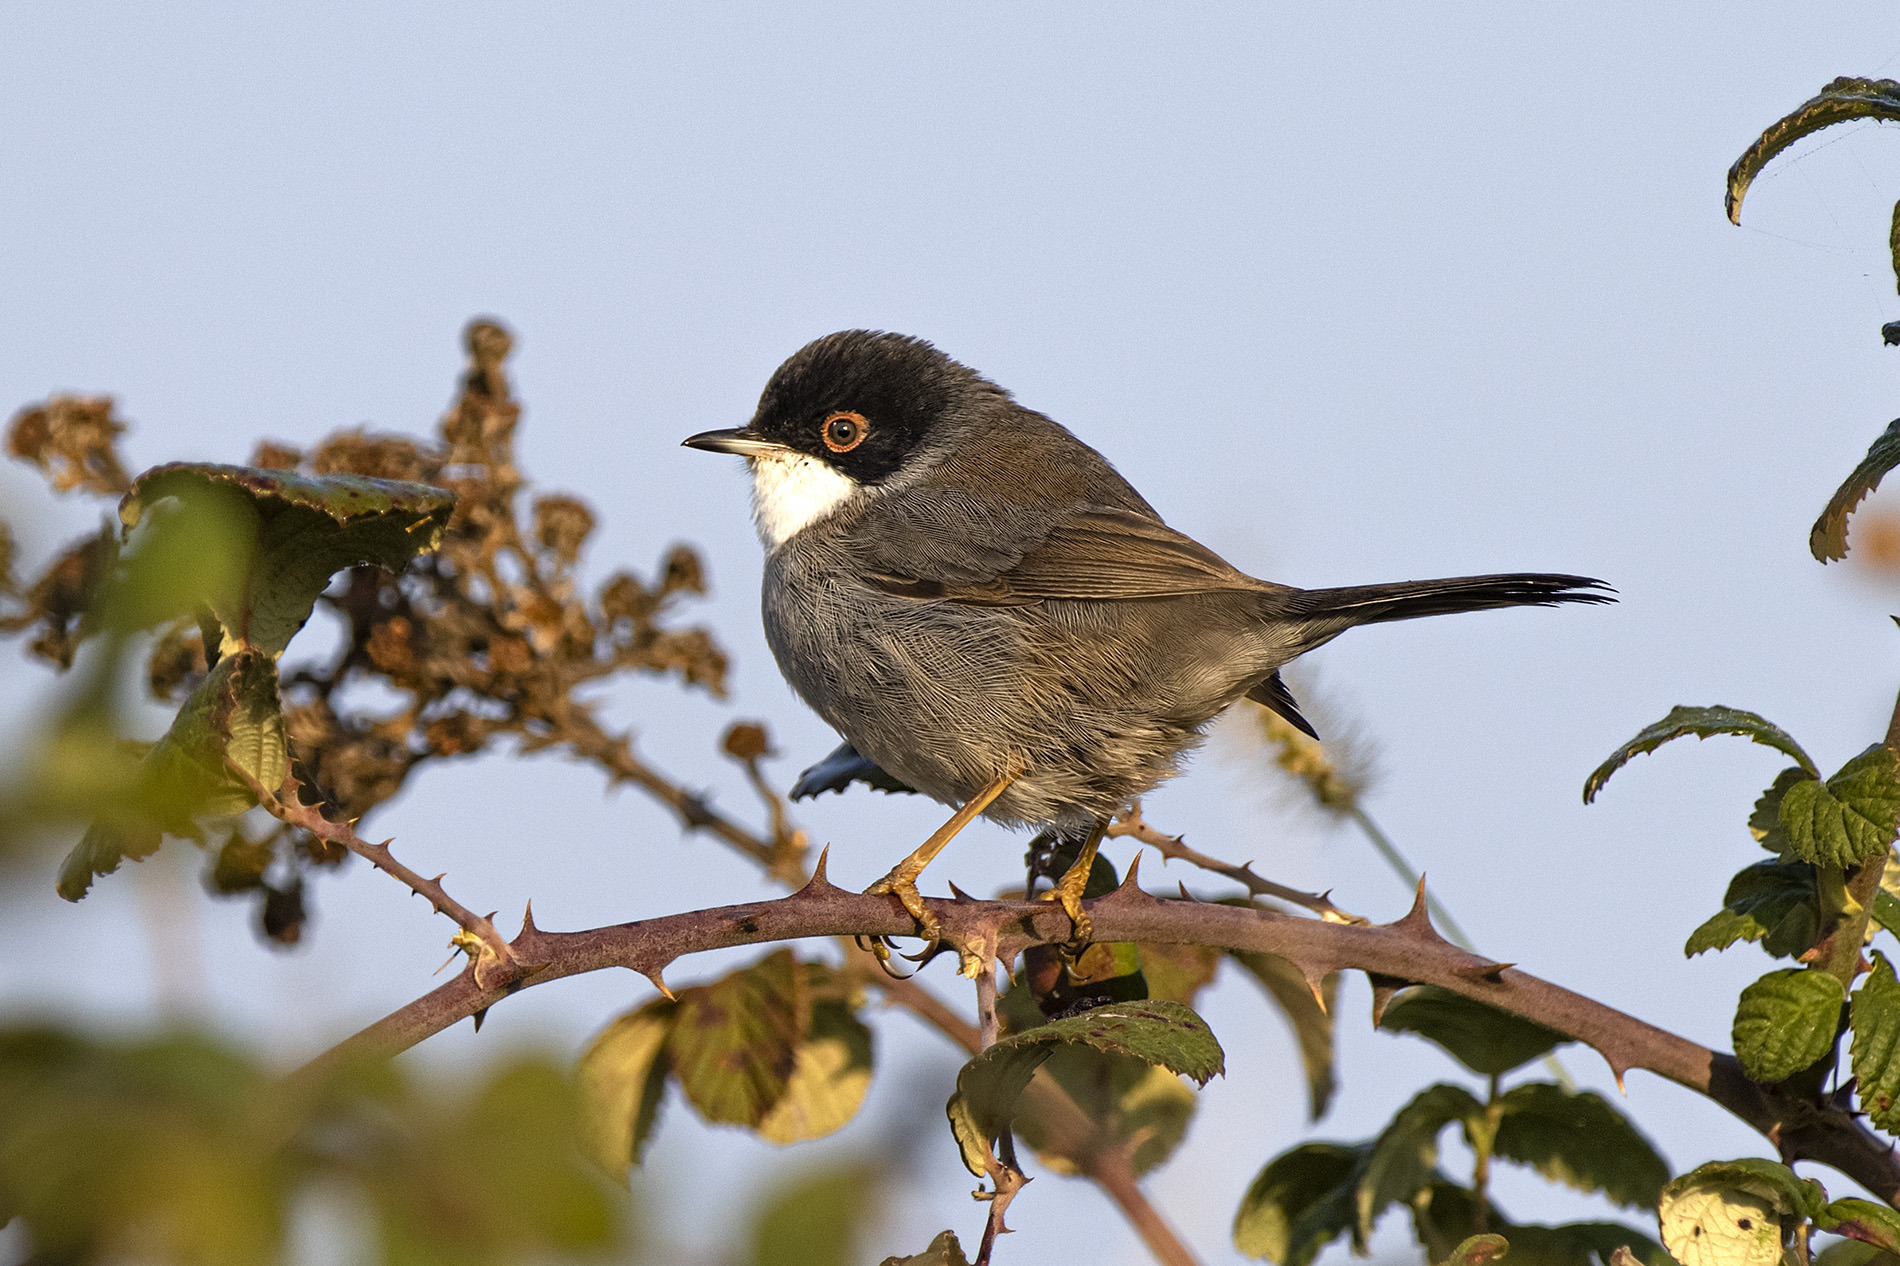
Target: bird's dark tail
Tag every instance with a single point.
(1315, 616)
(1408, 600)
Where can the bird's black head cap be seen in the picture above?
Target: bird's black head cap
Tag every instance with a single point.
(866, 401)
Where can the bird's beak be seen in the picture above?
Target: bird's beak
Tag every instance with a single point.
(741, 440)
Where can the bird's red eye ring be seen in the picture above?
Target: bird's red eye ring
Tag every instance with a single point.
(845, 431)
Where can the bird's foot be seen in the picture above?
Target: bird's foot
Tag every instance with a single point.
(1069, 889)
(903, 886)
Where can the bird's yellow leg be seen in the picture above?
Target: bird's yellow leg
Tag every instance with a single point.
(1068, 890)
(902, 881)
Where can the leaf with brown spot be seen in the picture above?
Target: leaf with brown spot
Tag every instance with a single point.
(734, 1043)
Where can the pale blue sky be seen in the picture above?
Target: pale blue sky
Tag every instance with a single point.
(1352, 293)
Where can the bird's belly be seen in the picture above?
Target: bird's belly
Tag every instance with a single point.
(946, 696)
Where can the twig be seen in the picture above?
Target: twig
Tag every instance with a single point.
(1409, 949)
(1174, 848)
(492, 958)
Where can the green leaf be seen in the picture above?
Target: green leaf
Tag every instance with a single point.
(1785, 1022)
(1730, 1213)
(1853, 816)
(1482, 1038)
(1177, 973)
(1444, 1214)
(1875, 1015)
(1701, 722)
(622, 1080)
(1828, 538)
(1478, 1250)
(1299, 1203)
(1403, 1160)
(1862, 1220)
(1775, 903)
(943, 1251)
(1580, 1140)
(1151, 1031)
(1842, 100)
(303, 529)
(233, 715)
(1312, 1024)
(1764, 823)
(818, 1217)
(831, 1073)
(734, 1043)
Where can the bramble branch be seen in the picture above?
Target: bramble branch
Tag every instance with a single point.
(1408, 949)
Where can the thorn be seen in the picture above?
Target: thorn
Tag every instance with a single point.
(1384, 989)
(1483, 970)
(957, 894)
(1188, 896)
(659, 983)
(818, 876)
(1419, 917)
(478, 1017)
(527, 920)
(439, 878)
(1128, 881)
(1313, 982)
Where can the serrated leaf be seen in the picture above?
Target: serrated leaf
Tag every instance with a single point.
(1702, 723)
(829, 1078)
(1312, 1024)
(622, 1080)
(1299, 1203)
(1775, 903)
(1862, 1220)
(1875, 1052)
(1579, 1139)
(303, 530)
(943, 1251)
(1156, 1032)
(1403, 1160)
(1827, 540)
(1842, 100)
(1764, 822)
(1482, 1038)
(1785, 1022)
(1851, 817)
(734, 1043)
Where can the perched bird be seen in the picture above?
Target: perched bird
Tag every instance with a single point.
(988, 613)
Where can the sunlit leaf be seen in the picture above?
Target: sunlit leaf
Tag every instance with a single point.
(1842, 100)
(1828, 538)
(622, 1082)
(1730, 1213)
(734, 1043)
(1851, 817)
(1875, 1052)
(830, 1075)
(1702, 723)
(1478, 1250)
(1482, 1038)
(304, 529)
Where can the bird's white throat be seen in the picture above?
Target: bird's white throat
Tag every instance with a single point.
(792, 491)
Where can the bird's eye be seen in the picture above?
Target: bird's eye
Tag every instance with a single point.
(845, 431)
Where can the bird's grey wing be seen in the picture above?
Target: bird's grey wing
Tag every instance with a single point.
(1091, 554)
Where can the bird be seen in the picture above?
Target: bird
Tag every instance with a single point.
(988, 613)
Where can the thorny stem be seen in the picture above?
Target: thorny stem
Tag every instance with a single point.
(1175, 848)
(494, 964)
